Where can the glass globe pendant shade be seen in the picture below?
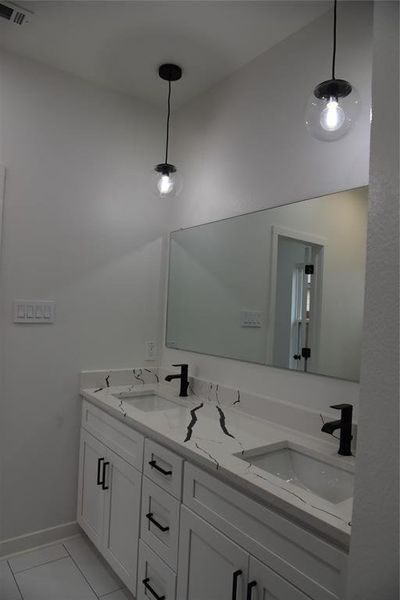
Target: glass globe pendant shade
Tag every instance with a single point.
(332, 110)
(167, 182)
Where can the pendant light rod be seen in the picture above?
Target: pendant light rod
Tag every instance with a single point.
(334, 38)
(167, 179)
(168, 120)
(169, 72)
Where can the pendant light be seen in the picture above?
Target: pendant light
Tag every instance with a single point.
(167, 180)
(334, 105)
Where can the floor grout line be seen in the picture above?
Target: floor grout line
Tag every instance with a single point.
(69, 556)
(85, 578)
(16, 582)
(104, 596)
(80, 571)
(12, 555)
(39, 565)
(122, 589)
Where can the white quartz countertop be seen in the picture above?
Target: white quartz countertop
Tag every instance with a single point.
(214, 437)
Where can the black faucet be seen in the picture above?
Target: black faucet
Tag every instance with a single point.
(344, 424)
(183, 376)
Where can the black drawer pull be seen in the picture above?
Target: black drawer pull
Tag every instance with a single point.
(250, 586)
(100, 460)
(155, 466)
(150, 517)
(104, 486)
(148, 587)
(235, 578)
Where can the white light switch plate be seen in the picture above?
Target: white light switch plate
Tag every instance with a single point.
(34, 312)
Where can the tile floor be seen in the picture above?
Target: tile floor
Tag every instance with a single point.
(71, 570)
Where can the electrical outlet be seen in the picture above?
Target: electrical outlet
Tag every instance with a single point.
(150, 350)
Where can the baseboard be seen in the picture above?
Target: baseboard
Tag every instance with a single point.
(38, 538)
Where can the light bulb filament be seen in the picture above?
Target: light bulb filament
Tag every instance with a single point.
(332, 117)
(165, 184)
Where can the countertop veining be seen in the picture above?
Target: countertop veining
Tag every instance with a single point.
(214, 436)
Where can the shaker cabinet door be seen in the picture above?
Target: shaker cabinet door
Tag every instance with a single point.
(210, 565)
(91, 495)
(265, 584)
(121, 518)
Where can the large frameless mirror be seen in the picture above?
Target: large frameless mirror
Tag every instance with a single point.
(282, 287)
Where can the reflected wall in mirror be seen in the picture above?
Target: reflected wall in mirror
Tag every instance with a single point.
(282, 286)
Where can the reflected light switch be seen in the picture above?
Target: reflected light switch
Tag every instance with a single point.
(250, 318)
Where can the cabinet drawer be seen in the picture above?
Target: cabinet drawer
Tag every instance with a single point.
(163, 467)
(123, 440)
(160, 522)
(310, 563)
(155, 579)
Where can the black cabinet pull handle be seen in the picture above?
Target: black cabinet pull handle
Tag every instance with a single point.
(148, 587)
(250, 587)
(100, 460)
(104, 487)
(150, 517)
(155, 466)
(235, 578)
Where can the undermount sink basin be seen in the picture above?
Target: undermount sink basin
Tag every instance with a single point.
(306, 469)
(146, 402)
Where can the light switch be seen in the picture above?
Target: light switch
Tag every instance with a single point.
(34, 311)
(20, 311)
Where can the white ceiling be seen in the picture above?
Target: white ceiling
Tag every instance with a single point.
(120, 44)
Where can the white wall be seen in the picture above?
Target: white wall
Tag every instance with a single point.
(374, 550)
(80, 228)
(244, 146)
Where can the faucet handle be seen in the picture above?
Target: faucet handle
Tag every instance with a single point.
(184, 366)
(346, 411)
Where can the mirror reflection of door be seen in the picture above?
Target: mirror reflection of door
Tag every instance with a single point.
(296, 307)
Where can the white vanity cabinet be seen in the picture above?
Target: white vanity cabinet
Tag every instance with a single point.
(171, 530)
(109, 490)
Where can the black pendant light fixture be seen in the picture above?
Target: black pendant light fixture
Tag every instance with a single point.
(334, 105)
(167, 180)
